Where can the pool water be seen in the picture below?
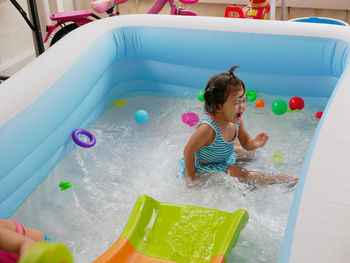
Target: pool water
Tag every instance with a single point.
(130, 159)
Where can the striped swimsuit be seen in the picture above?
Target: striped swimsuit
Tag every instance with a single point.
(219, 155)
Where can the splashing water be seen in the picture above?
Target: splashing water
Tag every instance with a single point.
(130, 159)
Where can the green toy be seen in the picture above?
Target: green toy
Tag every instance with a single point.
(65, 185)
(200, 95)
(47, 252)
(181, 233)
(251, 95)
(279, 107)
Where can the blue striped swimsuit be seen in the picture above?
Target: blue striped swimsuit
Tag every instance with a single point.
(219, 155)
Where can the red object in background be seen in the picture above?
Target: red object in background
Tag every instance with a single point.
(257, 9)
(318, 114)
(234, 11)
(296, 103)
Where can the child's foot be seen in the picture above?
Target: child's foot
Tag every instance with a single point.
(288, 179)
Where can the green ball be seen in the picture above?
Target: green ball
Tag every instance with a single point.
(200, 95)
(279, 107)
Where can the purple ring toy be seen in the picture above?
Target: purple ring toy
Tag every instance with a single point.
(75, 137)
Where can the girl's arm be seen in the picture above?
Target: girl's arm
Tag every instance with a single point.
(203, 135)
(248, 142)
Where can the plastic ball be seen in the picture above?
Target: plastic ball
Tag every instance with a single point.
(200, 95)
(296, 103)
(251, 95)
(141, 116)
(279, 107)
(319, 114)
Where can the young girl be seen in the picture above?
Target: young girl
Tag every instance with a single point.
(211, 147)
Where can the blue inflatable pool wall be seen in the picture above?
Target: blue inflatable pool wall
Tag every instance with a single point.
(123, 59)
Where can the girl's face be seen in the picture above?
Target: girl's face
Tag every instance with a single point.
(234, 106)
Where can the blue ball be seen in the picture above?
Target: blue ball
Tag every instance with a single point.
(141, 116)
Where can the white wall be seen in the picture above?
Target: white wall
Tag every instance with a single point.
(16, 37)
(16, 44)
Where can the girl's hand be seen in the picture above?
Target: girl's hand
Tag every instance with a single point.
(189, 180)
(261, 139)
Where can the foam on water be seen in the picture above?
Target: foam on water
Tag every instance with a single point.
(130, 159)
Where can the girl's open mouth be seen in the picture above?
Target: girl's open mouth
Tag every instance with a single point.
(238, 115)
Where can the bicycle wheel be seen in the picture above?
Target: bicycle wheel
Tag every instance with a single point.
(62, 32)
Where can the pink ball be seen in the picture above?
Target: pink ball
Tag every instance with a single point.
(190, 118)
(318, 114)
(296, 103)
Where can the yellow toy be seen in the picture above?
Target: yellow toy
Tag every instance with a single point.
(277, 158)
(47, 253)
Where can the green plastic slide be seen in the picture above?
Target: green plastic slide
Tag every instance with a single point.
(181, 233)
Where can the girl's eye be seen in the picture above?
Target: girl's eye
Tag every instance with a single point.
(239, 102)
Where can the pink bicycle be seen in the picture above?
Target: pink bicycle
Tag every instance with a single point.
(68, 21)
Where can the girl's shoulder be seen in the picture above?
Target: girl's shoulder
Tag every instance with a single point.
(208, 122)
(204, 126)
(206, 132)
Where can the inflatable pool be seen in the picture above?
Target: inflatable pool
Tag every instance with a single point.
(78, 79)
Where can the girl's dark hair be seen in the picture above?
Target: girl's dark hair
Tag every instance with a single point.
(219, 87)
